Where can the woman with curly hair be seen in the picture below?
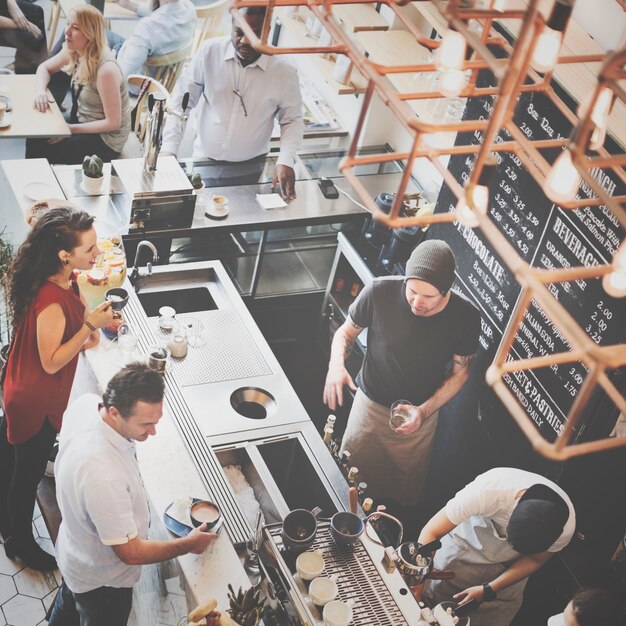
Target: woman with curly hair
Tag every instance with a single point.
(100, 115)
(50, 327)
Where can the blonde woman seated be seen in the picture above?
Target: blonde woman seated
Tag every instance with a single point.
(100, 115)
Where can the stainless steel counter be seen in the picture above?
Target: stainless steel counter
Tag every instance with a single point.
(235, 354)
(201, 432)
(245, 213)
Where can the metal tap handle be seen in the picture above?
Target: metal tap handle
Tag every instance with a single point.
(149, 267)
(428, 548)
(257, 529)
(392, 518)
(461, 610)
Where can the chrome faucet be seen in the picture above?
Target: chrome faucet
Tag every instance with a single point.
(134, 275)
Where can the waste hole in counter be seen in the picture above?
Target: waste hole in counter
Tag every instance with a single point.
(253, 402)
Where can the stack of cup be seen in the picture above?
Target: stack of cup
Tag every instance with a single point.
(310, 565)
(323, 590)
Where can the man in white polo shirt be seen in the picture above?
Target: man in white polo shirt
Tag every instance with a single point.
(495, 533)
(102, 541)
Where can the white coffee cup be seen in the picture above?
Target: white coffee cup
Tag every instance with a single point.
(219, 203)
(310, 565)
(338, 613)
(3, 109)
(323, 590)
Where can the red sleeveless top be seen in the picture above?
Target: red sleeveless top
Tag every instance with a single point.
(30, 394)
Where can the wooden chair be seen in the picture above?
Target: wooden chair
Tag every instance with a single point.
(145, 85)
(55, 13)
(167, 67)
(208, 18)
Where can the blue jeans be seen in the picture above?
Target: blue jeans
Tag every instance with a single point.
(104, 606)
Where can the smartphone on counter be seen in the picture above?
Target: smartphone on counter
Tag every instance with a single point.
(328, 188)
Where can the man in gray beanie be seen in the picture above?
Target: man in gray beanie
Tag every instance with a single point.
(420, 341)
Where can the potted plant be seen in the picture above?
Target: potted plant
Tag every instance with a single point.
(92, 174)
(246, 609)
(196, 180)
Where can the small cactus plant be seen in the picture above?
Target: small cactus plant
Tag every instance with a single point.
(92, 166)
(196, 180)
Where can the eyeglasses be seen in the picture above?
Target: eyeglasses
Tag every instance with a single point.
(238, 94)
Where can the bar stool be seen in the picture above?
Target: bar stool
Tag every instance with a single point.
(166, 68)
(208, 18)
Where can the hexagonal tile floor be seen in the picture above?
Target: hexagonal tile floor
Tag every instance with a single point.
(26, 594)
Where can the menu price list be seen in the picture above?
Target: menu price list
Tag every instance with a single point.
(545, 236)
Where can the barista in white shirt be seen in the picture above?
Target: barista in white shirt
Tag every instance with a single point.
(238, 92)
(170, 25)
(495, 533)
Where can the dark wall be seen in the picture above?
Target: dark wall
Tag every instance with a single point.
(476, 431)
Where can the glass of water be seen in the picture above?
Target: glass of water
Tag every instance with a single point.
(193, 329)
(400, 413)
(126, 340)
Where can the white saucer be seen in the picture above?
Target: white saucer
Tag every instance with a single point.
(6, 120)
(215, 214)
(39, 191)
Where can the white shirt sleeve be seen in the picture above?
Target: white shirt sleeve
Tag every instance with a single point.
(481, 497)
(133, 54)
(110, 509)
(291, 121)
(192, 81)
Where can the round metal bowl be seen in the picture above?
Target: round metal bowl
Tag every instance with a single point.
(253, 402)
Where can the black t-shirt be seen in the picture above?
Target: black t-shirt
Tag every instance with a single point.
(408, 356)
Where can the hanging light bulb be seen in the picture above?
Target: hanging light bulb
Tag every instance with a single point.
(615, 283)
(546, 51)
(465, 215)
(452, 82)
(599, 116)
(562, 181)
(451, 52)
(476, 197)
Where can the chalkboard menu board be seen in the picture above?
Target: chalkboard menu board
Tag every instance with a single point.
(546, 236)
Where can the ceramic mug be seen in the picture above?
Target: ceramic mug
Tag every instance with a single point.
(323, 590)
(310, 565)
(346, 528)
(338, 613)
(118, 298)
(300, 528)
(205, 511)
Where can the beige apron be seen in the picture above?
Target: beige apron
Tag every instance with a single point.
(392, 465)
(477, 554)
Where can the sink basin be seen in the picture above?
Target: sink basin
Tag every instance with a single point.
(295, 475)
(281, 475)
(190, 300)
(253, 402)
